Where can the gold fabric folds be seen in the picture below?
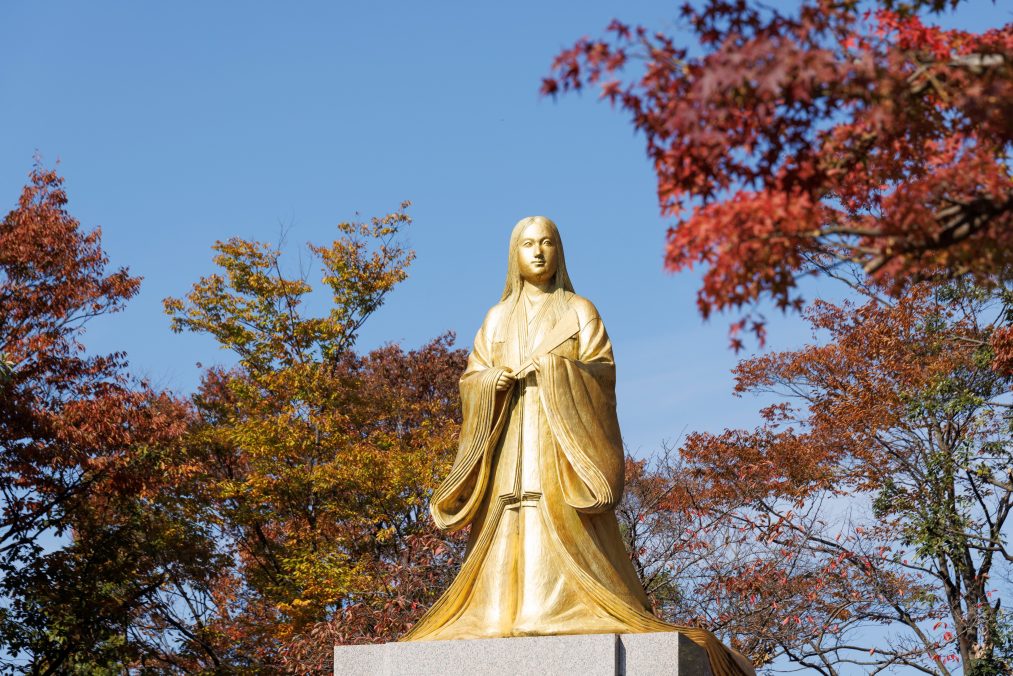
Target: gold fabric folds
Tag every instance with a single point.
(538, 473)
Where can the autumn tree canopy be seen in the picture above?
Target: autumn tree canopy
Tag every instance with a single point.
(867, 521)
(319, 461)
(281, 509)
(791, 142)
(90, 478)
(822, 139)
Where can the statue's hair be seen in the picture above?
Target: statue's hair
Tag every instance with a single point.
(514, 283)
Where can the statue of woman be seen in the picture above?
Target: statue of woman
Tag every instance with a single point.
(539, 470)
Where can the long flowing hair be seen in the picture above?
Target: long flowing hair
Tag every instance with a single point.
(514, 283)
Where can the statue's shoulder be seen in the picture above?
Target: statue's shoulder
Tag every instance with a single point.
(585, 309)
(496, 314)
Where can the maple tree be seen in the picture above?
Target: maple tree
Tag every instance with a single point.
(815, 140)
(877, 494)
(788, 143)
(319, 461)
(89, 525)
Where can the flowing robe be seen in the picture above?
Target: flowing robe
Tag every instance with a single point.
(538, 473)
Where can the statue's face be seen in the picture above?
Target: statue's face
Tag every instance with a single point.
(536, 253)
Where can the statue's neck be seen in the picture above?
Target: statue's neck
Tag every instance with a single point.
(535, 291)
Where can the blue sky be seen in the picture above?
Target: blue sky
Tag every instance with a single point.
(179, 124)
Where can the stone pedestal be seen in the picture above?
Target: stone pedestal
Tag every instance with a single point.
(668, 653)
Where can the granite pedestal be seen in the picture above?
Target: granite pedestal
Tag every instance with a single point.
(668, 653)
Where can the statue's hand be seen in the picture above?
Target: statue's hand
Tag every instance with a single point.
(505, 380)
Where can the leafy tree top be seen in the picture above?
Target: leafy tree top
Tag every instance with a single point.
(795, 142)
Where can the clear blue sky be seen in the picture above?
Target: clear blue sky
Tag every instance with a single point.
(179, 124)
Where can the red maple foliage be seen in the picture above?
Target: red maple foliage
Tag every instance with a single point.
(790, 143)
(864, 522)
(60, 407)
(82, 447)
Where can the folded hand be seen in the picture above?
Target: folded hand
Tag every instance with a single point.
(504, 381)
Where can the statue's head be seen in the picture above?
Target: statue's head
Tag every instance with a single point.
(535, 255)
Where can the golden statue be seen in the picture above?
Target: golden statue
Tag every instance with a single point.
(539, 470)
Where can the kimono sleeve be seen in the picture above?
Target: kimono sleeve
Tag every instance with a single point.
(578, 397)
(458, 498)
